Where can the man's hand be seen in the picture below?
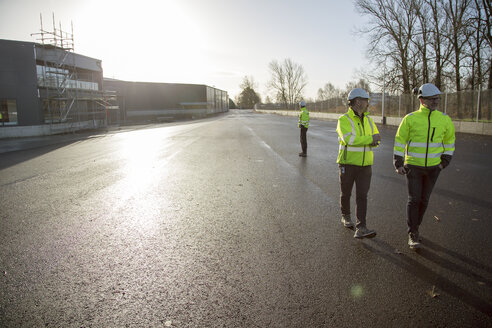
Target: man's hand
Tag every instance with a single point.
(376, 139)
(401, 170)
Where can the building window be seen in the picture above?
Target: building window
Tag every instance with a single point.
(8, 112)
(59, 78)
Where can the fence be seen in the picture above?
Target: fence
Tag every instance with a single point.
(468, 105)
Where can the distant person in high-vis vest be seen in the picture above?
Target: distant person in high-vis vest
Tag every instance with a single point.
(424, 146)
(357, 136)
(303, 124)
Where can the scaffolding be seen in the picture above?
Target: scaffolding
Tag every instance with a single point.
(69, 95)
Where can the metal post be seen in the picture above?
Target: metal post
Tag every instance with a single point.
(478, 101)
(445, 102)
(399, 106)
(384, 89)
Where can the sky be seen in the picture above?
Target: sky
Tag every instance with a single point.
(211, 42)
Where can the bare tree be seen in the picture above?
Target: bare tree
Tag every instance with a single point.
(456, 12)
(329, 91)
(422, 41)
(288, 81)
(278, 83)
(321, 95)
(487, 6)
(474, 45)
(357, 84)
(391, 30)
(439, 43)
(448, 42)
(487, 32)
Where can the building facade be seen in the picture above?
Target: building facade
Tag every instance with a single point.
(146, 101)
(43, 84)
(51, 89)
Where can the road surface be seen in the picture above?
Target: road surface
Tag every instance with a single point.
(219, 223)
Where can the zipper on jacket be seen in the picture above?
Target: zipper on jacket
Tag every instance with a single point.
(363, 134)
(428, 133)
(433, 131)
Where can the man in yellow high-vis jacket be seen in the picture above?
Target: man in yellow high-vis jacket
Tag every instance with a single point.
(424, 145)
(303, 124)
(357, 135)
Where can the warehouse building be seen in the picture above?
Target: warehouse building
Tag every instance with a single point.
(46, 88)
(145, 101)
(50, 89)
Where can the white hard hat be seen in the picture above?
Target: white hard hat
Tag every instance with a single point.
(357, 93)
(302, 103)
(428, 90)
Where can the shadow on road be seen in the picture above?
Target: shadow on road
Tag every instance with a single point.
(14, 157)
(464, 198)
(453, 266)
(440, 191)
(386, 251)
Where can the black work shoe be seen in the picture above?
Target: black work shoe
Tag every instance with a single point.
(363, 232)
(347, 222)
(302, 154)
(413, 240)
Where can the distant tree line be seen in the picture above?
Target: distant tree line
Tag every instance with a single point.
(329, 91)
(287, 84)
(446, 42)
(411, 42)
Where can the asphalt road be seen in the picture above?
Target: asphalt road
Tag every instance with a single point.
(218, 223)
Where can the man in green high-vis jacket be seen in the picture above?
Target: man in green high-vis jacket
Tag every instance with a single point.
(357, 136)
(424, 145)
(303, 124)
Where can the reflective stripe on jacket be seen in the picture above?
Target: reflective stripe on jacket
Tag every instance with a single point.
(303, 118)
(424, 136)
(355, 138)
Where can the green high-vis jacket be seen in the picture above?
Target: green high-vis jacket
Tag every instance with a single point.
(303, 118)
(355, 139)
(425, 138)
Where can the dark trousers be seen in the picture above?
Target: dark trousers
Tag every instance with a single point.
(304, 139)
(361, 176)
(420, 182)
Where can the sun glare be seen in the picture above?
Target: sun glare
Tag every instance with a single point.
(158, 41)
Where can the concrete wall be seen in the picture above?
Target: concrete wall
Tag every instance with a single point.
(460, 126)
(47, 129)
(18, 80)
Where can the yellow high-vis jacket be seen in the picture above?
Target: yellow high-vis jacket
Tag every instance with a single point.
(425, 138)
(355, 139)
(303, 118)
